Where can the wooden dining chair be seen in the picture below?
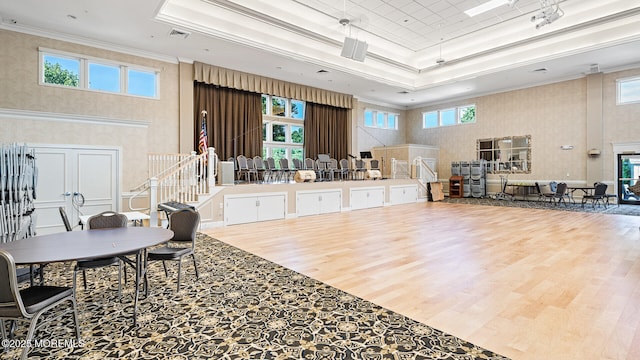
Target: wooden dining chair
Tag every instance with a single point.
(28, 304)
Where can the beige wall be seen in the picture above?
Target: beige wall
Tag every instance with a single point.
(366, 138)
(150, 125)
(553, 115)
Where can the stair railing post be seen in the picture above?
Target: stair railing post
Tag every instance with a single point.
(211, 168)
(153, 202)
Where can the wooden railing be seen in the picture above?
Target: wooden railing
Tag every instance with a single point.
(190, 176)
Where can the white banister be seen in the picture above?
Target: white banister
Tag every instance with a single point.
(153, 202)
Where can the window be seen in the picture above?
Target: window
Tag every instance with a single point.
(380, 119)
(452, 116)
(430, 119)
(58, 70)
(283, 128)
(447, 117)
(76, 71)
(628, 91)
(104, 77)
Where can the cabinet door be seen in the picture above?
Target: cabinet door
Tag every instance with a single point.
(330, 202)
(403, 194)
(359, 199)
(271, 207)
(308, 203)
(240, 210)
(376, 198)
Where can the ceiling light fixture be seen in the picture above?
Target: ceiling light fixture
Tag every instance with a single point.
(549, 12)
(489, 5)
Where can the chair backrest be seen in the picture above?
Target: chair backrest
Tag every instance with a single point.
(242, 163)
(344, 164)
(250, 164)
(10, 301)
(359, 164)
(297, 163)
(333, 164)
(284, 164)
(184, 224)
(272, 163)
(321, 165)
(65, 219)
(600, 189)
(309, 164)
(561, 189)
(258, 163)
(107, 220)
(235, 163)
(374, 164)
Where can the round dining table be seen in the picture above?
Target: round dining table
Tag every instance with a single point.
(87, 244)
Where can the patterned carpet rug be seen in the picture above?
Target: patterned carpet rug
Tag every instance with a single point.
(242, 307)
(622, 209)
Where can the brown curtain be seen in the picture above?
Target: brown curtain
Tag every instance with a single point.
(326, 131)
(234, 120)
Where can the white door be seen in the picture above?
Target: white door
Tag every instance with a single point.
(84, 181)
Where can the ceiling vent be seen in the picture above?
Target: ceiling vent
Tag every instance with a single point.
(322, 71)
(179, 34)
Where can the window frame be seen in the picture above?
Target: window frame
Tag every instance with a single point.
(375, 117)
(620, 83)
(458, 118)
(84, 73)
(269, 120)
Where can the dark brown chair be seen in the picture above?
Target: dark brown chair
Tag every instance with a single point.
(29, 303)
(104, 220)
(599, 193)
(184, 224)
(559, 195)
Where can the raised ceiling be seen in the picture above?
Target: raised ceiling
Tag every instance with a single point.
(419, 51)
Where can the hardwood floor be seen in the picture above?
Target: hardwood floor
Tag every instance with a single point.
(526, 283)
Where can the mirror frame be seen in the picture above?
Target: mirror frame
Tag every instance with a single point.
(514, 164)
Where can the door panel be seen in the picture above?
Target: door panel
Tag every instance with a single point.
(629, 179)
(82, 181)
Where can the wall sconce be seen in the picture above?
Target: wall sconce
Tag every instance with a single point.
(593, 152)
(566, 147)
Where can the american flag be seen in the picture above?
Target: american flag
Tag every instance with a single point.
(203, 144)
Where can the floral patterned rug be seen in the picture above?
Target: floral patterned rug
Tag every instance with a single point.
(242, 307)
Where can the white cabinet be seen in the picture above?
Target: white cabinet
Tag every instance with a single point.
(247, 208)
(366, 197)
(318, 202)
(403, 194)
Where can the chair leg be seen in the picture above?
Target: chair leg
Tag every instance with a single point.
(84, 279)
(179, 271)
(195, 266)
(3, 332)
(164, 265)
(120, 280)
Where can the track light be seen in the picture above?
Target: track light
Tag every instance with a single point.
(549, 12)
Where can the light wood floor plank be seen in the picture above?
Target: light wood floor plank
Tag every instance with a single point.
(526, 283)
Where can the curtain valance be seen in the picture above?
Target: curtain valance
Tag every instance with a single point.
(238, 80)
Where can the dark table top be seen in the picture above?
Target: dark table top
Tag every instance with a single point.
(75, 245)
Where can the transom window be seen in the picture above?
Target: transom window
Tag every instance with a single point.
(282, 128)
(449, 116)
(76, 71)
(380, 119)
(628, 90)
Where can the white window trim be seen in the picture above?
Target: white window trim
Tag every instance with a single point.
(374, 119)
(619, 83)
(456, 110)
(84, 72)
